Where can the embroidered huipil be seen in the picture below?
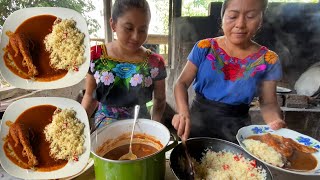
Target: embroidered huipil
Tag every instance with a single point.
(228, 79)
(121, 84)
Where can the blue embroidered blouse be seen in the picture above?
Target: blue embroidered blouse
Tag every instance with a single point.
(229, 79)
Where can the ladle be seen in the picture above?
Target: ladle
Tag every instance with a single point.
(130, 155)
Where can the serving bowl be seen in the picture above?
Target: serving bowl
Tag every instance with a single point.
(197, 148)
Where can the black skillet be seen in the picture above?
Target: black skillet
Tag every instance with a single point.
(198, 146)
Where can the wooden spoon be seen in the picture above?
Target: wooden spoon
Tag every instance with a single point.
(130, 155)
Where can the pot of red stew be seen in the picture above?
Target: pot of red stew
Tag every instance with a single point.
(150, 142)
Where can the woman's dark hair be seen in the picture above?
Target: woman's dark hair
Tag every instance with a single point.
(122, 6)
(226, 2)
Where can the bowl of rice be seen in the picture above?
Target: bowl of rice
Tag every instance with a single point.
(217, 159)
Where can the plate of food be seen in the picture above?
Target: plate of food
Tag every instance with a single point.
(44, 48)
(216, 159)
(283, 149)
(44, 138)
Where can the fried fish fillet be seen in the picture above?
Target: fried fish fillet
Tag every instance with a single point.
(20, 135)
(9, 61)
(21, 45)
(285, 146)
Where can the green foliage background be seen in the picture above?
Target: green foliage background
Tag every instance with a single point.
(200, 7)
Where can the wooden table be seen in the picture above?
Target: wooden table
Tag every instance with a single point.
(278, 175)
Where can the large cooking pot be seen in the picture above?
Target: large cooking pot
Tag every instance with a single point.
(198, 146)
(146, 168)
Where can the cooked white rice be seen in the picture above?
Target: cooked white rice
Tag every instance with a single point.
(65, 134)
(65, 45)
(264, 152)
(226, 165)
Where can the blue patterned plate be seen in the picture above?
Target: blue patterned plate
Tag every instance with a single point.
(247, 131)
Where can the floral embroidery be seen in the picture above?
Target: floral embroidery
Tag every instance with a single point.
(154, 72)
(243, 61)
(234, 68)
(96, 51)
(107, 78)
(97, 76)
(113, 72)
(271, 57)
(213, 65)
(232, 71)
(136, 79)
(258, 68)
(211, 57)
(204, 43)
(92, 65)
(148, 81)
(156, 61)
(261, 67)
(121, 74)
(124, 70)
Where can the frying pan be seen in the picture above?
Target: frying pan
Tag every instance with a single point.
(198, 146)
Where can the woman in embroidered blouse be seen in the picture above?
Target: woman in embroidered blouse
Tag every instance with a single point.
(122, 72)
(228, 71)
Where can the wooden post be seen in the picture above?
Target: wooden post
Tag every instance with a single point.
(175, 8)
(107, 6)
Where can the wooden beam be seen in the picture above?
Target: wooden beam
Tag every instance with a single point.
(157, 39)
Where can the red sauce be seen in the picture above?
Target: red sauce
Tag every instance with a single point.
(36, 118)
(140, 150)
(298, 161)
(35, 29)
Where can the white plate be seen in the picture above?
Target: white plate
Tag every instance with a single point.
(283, 90)
(89, 165)
(247, 131)
(15, 19)
(12, 113)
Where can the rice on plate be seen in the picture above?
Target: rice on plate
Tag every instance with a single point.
(65, 45)
(65, 135)
(264, 152)
(227, 165)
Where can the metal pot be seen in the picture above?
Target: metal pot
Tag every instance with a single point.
(198, 146)
(149, 167)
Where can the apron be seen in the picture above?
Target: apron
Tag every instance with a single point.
(216, 119)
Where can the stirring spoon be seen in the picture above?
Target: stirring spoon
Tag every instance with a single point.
(189, 165)
(130, 155)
